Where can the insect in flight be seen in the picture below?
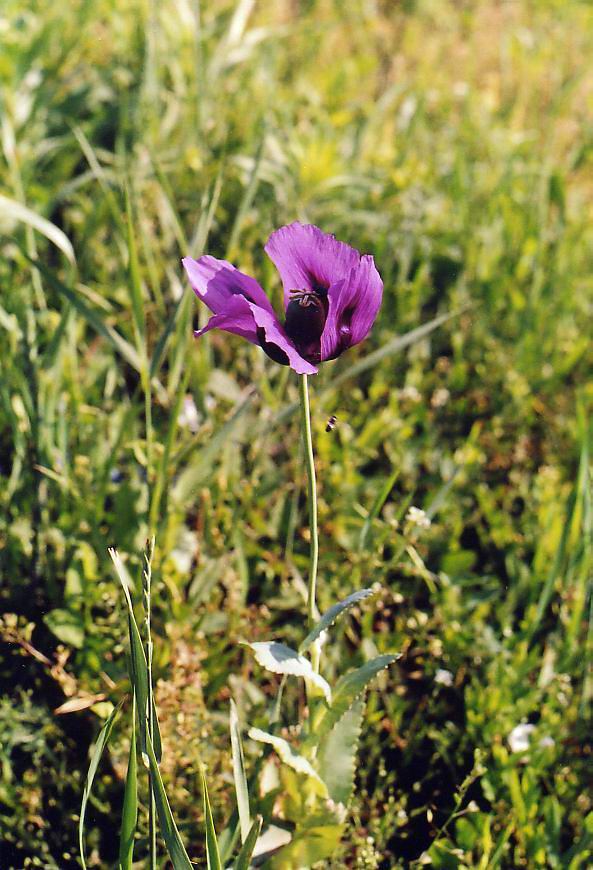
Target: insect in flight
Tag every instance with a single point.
(331, 423)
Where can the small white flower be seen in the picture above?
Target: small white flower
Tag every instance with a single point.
(443, 677)
(440, 397)
(520, 737)
(418, 517)
(189, 417)
(410, 393)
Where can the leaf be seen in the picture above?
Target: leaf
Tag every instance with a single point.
(123, 347)
(203, 460)
(376, 508)
(129, 816)
(212, 853)
(308, 847)
(330, 616)
(281, 659)
(102, 741)
(346, 691)
(17, 211)
(336, 759)
(243, 859)
(169, 830)
(134, 277)
(394, 345)
(287, 754)
(138, 665)
(67, 626)
(239, 773)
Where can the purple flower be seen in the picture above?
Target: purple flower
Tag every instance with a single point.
(331, 297)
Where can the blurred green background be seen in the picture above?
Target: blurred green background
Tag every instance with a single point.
(454, 142)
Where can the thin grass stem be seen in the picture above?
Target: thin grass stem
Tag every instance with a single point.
(312, 501)
(147, 577)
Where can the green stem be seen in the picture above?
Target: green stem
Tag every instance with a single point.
(147, 606)
(311, 498)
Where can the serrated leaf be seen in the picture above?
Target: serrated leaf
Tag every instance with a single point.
(243, 859)
(336, 759)
(239, 773)
(287, 754)
(212, 853)
(330, 616)
(346, 691)
(281, 659)
(130, 808)
(102, 741)
(169, 830)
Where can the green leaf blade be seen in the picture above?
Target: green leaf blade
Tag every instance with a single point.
(336, 759)
(239, 775)
(212, 852)
(130, 807)
(347, 690)
(331, 615)
(169, 830)
(102, 741)
(243, 859)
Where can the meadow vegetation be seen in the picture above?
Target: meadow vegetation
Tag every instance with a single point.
(454, 142)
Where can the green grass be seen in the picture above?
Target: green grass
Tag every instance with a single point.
(452, 141)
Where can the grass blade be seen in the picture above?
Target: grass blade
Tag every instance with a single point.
(169, 830)
(139, 670)
(102, 741)
(123, 347)
(239, 773)
(130, 808)
(376, 508)
(19, 212)
(243, 859)
(212, 853)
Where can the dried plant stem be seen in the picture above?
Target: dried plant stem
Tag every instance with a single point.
(312, 501)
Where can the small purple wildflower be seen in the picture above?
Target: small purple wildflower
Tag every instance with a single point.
(331, 297)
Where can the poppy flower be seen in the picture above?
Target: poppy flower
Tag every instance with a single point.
(331, 297)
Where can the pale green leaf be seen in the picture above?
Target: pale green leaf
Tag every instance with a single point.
(239, 773)
(287, 754)
(281, 659)
(336, 759)
(330, 616)
(67, 626)
(346, 691)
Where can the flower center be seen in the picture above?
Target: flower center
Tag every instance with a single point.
(305, 318)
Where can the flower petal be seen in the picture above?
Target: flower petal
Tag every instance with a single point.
(217, 282)
(353, 307)
(309, 259)
(236, 318)
(277, 344)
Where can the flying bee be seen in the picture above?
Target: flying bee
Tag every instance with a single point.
(331, 423)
